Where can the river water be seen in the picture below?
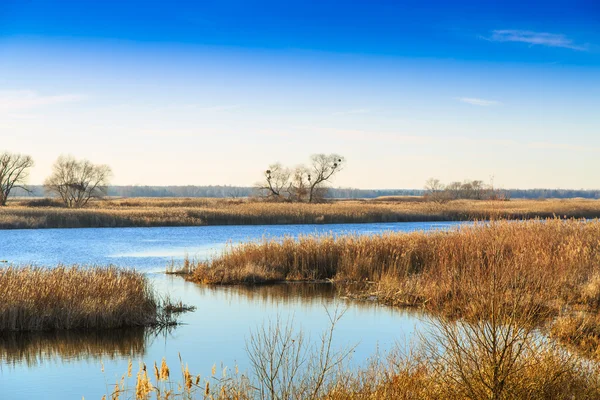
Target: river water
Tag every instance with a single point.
(67, 365)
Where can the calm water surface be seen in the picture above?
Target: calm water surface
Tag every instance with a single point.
(67, 365)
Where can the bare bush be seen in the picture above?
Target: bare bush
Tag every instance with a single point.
(287, 366)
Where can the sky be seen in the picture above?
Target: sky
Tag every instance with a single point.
(212, 92)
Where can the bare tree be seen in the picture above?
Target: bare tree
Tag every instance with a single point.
(77, 181)
(276, 181)
(303, 183)
(322, 169)
(299, 184)
(435, 191)
(14, 170)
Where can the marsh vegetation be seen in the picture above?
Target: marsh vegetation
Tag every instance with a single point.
(45, 299)
(38, 213)
(499, 358)
(547, 269)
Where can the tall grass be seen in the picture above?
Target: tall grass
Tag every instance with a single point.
(194, 212)
(40, 299)
(553, 266)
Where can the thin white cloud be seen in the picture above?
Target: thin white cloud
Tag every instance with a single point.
(21, 100)
(535, 38)
(479, 102)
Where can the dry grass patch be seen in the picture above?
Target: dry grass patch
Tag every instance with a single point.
(199, 211)
(40, 299)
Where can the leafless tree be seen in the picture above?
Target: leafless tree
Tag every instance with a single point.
(14, 170)
(276, 182)
(322, 169)
(435, 191)
(77, 181)
(455, 190)
(299, 184)
(303, 183)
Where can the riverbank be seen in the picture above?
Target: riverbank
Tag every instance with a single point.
(546, 271)
(37, 214)
(61, 298)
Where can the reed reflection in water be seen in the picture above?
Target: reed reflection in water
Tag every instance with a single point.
(34, 348)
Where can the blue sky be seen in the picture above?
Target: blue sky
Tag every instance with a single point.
(212, 92)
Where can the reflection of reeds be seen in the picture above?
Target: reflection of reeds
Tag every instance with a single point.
(296, 293)
(33, 348)
(36, 299)
(181, 212)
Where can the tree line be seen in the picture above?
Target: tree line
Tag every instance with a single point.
(74, 181)
(439, 192)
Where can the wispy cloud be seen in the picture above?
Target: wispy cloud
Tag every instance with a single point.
(479, 102)
(535, 38)
(22, 100)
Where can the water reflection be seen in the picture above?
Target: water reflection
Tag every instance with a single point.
(289, 294)
(214, 334)
(34, 348)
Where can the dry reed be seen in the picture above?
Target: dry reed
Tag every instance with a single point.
(39, 299)
(556, 262)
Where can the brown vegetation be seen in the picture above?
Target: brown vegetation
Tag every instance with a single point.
(549, 268)
(42, 299)
(496, 361)
(200, 211)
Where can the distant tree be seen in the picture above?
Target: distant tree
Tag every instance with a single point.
(303, 183)
(455, 190)
(276, 182)
(299, 184)
(14, 170)
(322, 169)
(77, 181)
(435, 191)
